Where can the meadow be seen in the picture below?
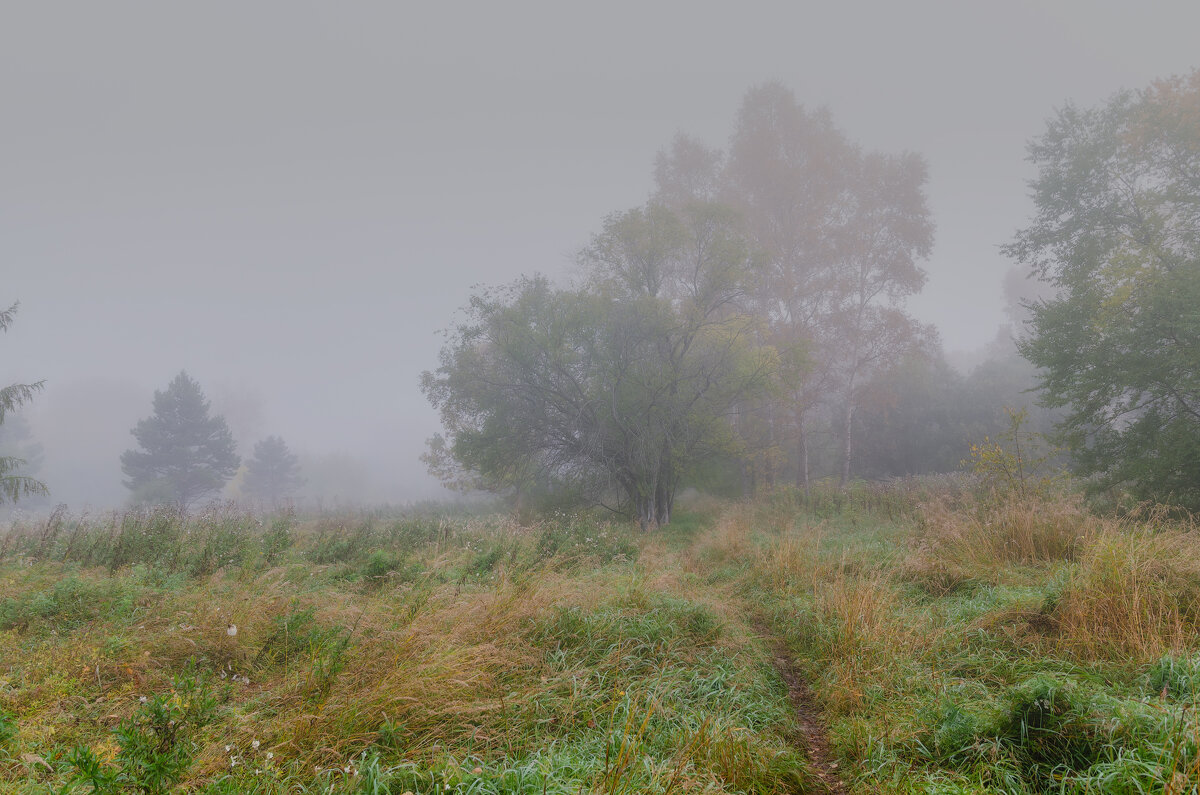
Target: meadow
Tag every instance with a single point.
(917, 637)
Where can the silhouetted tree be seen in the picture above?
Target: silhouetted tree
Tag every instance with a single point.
(185, 453)
(273, 472)
(13, 484)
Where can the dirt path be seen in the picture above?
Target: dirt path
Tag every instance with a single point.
(808, 714)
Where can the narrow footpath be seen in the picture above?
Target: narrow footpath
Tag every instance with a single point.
(807, 711)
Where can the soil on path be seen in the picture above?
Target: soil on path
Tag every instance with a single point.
(808, 715)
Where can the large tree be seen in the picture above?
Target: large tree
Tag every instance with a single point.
(1117, 233)
(619, 387)
(13, 483)
(185, 454)
(273, 472)
(841, 230)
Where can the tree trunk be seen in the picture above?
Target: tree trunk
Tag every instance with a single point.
(663, 500)
(846, 444)
(802, 479)
(645, 512)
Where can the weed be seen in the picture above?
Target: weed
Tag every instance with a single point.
(156, 744)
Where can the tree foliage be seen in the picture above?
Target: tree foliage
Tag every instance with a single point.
(617, 387)
(841, 231)
(13, 483)
(1117, 232)
(273, 472)
(185, 454)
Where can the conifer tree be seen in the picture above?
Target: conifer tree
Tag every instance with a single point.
(273, 472)
(185, 454)
(14, 484)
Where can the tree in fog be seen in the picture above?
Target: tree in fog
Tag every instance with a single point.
(273, 472)
(1117, 232)
(620, 386)
(185, 454)
(15, 484)
(17, 443)
(841, 231)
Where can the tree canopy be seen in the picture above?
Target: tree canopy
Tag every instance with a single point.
(13, 483)
(614, 388)
(1117, 232)
(185, 454)
(757, 293)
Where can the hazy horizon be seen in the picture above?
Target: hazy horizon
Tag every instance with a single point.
(289, 200)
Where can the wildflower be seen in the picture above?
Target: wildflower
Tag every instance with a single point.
(233, 761)
(254, 744)
(143, 699)
(270, 756)
(231, 630)
(228, 748)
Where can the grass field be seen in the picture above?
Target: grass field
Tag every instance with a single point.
(951, 644)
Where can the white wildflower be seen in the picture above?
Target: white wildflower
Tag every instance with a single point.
(231, 630)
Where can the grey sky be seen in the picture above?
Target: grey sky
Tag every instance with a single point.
(288, 199)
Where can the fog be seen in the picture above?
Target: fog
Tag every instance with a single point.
(289, 200)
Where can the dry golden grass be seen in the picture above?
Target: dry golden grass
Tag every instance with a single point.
(1134, 593)
(955, 545)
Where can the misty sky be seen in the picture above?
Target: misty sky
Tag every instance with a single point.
(288, 199)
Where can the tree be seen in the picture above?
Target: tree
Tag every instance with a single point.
(841, 231)
(13, 484)
(618, 387)
(1117, 232)
(185, 454)
(273, 472)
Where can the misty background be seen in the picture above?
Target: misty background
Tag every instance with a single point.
(288, 199)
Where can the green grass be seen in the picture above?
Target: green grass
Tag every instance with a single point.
(378, 654)
(954, 646)
(1063, 671)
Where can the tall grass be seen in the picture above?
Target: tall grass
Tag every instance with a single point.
(1135, 593)
(378, 653)
(960, 543)
(1006, 646)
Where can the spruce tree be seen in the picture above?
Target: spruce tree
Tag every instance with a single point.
(15, 484)
(185, 454)
(273, 472)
